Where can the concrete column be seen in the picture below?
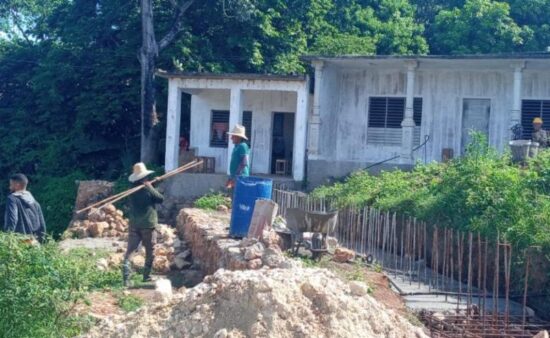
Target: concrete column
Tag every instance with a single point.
(407, 126)
(173, 118)
(315, 120)
(515, 116)
(235, 117)
(300, 133)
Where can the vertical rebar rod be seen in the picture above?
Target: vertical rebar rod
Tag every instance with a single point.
(525, 287)
(470, 242)
(412, 254)
(460, 252)
(425, 241)
(419, 253)
(496, 279)
(478, 269)
(508, 274)
(401, 253)
(452, 258)
(445, 231)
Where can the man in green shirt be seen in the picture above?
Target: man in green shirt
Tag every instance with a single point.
(143, 220)
(239, 165)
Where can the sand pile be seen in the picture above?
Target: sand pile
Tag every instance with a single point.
(294, 302)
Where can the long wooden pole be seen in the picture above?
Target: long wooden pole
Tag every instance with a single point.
(119, 196)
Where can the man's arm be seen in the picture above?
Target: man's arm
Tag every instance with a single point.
(157, 196)
(243, 164)
(11, 216)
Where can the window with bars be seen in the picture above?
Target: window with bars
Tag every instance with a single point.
(385, 117)
(531, 109)
(220, 127)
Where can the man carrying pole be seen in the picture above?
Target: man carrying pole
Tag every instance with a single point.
(143, 220)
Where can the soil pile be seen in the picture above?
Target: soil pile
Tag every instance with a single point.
(293, 302)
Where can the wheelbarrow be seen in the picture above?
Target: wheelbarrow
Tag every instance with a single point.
(299, 221)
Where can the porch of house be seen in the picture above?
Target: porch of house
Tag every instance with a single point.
(203, 108)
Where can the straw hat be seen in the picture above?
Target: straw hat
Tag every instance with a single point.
(140, 171)
(239, 131)
(537, 120)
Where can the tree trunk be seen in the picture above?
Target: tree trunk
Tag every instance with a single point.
(148, 55)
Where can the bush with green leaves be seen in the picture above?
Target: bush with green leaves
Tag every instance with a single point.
(481, 191)
(212, 201)
(40, 287)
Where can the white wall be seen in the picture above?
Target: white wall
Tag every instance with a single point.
(261, 103)
(345, 96)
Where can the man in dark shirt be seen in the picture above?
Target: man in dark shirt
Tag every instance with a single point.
(23, 213)
(143, 220)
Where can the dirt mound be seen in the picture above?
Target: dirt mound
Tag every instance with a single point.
(294, 302)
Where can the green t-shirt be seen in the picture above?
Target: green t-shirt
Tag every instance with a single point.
(239, 151)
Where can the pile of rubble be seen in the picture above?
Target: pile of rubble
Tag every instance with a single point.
(170, 252)
(293, 302)
(105, 222)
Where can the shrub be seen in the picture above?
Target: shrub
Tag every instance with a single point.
(40, 286)
(481, 191)
(212, 201)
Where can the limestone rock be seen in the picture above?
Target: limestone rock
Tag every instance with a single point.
(96, 229)
(81, 232)
(96, 215)
(254, 251)
(342, 255)
(102, 264)
(358, 289)
(222, 208)
(138, 261)
(542, 334)
(272, 258)
(161, 264)
(254, 264)
(109, 209)
(163, 290)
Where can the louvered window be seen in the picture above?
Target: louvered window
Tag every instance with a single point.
(531, 109)
(219, 128)
(385, 117)
(247, 123)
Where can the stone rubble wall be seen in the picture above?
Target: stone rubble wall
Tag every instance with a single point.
(207, 233)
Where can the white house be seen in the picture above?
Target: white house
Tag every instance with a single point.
(365, 110)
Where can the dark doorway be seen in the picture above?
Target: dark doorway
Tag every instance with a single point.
(185, 129)
(282, 143)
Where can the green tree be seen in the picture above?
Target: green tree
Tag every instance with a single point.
(481, 26)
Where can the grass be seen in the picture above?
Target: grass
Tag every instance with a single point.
(212, 201)
(128, 302)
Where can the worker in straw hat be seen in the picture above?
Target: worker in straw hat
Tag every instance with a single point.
(143, 220)
(539, 135)
(239, 165)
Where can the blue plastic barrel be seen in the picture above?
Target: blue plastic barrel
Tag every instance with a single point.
(247, 191)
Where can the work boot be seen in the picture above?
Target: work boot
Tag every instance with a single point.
(147, 274)
(126, 270)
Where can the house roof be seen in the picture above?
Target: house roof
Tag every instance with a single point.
(230, 76)
(508, 56)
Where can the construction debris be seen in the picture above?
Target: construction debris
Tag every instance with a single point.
(342, 255)
(106, 222)
(274, 303)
